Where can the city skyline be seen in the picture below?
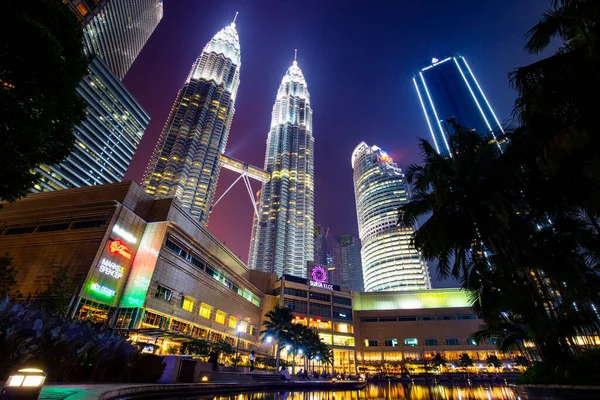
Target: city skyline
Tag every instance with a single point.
(396, 122)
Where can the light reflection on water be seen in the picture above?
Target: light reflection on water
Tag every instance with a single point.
(385, 392)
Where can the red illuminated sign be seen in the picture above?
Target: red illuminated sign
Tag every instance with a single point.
(116, 246)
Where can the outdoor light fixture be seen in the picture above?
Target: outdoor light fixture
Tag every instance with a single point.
(269, 339)
(300, 351)
(24, 384)
(287, 347)
(204, 379)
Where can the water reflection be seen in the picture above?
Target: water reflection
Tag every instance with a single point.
(385, 392)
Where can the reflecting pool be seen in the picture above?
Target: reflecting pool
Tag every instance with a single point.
(384, 392)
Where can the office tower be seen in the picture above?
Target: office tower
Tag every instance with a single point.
(448, 89)
(389, 262)
(347, 263)
(185, 163)
(282, 234)
(320, 246)
(114, 123)
(119, 29)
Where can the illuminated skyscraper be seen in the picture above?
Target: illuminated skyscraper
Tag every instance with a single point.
(114, 33)
(347, 263)
(282, 234)
(119, 30)
(320, 246)
(448, 89)
(389, 262)
(185, 163)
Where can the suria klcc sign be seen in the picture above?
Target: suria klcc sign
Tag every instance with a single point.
(318, 278)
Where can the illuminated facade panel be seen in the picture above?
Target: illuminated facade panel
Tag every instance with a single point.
(106, 139)
(411, 300)
(186, 160)
(448, 89)
(389, 262)
(282, 233)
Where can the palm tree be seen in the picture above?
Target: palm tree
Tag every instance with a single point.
(277, 325)
(465, 361)
(494, 362)
(438, 361)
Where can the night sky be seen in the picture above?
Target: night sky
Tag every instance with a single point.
(357, 58)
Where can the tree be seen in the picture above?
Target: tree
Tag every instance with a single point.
(222, 348)
(7, 276)
(465, 361)
(57, 296)
(198, 347)
(438, 361)
(277, 324)
(494, 362)
(41, 64)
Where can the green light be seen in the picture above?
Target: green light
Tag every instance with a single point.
(102, 290)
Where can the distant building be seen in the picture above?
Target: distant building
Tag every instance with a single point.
(347, 263)
(447, 89)
(320, 246)
(114, 33)
(282, 232)
(389, 261)
(185, 163)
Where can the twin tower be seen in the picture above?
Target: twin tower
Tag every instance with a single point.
(187, 159)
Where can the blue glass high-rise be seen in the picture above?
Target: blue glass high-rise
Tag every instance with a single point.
(448, 89)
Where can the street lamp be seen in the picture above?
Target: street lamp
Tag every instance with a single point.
(268, 339)
(239, 329)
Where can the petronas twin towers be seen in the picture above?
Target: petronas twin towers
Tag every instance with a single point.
(186, 161)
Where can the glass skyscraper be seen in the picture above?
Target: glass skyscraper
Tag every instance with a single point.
(320, 246)
(447, 89)
(389, 262)
(185, 163)
(282, 234)
(114, 33)
(347, 263)
(106, 139)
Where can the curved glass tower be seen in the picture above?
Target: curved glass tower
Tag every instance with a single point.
(185, 163)
(282, 236)
(389, 262)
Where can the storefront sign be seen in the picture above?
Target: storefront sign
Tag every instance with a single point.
(111, 269)
(318, 277)
(128, 237)
(321, 285)
(102, 290)
(116, 246)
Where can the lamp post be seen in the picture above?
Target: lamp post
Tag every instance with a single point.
(269, 339)
(239, 328)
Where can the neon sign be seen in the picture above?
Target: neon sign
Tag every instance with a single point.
(116, 246)
(111, 269)
(124, 234)
(319, 274)
(102, 290)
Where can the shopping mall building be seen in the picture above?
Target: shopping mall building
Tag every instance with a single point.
(149, 268)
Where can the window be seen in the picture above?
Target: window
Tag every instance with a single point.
(411, 342)
(342, 313)
(320, 297)
(296, 305)
(446, 317)
(370, 343)
(431, 342)
(493, 341)
(343, 340)
(95, 223)
(232, 322)
(220, 317)
(471, 341)
(427, 318)
(19, 230)
(152, 319)
(467, 316)
(163, 293)
(179, 326)
(294, 292)
(187, 303)
(407, 318)
(391, 342)
(452, 342)
(369, 319)
(388, 319)
(342, 300)
(205, 310)
(320, 310)
(53, 227)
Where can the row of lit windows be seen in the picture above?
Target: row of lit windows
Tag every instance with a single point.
(54, 226)
(408, 318)
(412, 342)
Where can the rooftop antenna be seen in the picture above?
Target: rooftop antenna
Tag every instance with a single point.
(295, 54)
(234, 18)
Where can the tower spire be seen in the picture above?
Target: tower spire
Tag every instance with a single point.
(295, 54)
(235, 17)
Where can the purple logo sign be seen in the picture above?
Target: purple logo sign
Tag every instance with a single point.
(319, 274)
